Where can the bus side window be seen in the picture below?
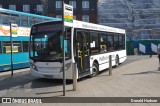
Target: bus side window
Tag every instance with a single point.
(116, 42)
(120, 42)
(0, 48)
(31, 21)
(38, 20)
(6, 47)
(123, 39)
(15, 19)
(94, 42)
(5, 18)
(110, 42)
(16, 47)
(45, 20)
(103, 44)
(24, 21)
(25, 46)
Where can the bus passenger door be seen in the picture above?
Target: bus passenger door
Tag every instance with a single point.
(83, 53)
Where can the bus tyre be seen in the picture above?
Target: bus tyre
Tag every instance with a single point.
(117, 61)
(94, 70)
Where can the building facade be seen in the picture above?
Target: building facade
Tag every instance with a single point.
(84, 10)
(140, 18)
(23, 5)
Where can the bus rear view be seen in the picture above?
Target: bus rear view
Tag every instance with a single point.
(46, 54)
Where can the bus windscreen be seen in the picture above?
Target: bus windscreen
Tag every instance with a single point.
(46, 43)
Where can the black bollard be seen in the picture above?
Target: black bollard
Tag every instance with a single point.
(110, 64)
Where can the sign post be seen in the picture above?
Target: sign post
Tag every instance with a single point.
(67, 19)
(13, 33)
(63, 34)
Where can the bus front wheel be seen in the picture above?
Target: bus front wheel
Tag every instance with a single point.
(94, 70)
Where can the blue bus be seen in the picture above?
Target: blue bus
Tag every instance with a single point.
(20, 42)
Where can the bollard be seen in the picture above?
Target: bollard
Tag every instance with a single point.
(159, 65)
(74, 75)
(159, 62)
(110, 64)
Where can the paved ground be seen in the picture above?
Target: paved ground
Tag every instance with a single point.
(137, 77)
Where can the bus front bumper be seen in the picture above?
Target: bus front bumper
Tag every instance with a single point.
(46, 75)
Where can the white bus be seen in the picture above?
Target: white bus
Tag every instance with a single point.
(87, 46)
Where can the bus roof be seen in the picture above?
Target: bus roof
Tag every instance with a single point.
(91, 26)
(26, 14)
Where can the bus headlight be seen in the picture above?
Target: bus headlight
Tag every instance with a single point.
(33, 66)
(67, 66)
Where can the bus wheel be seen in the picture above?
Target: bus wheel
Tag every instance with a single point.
(117, 61)
(94, 70)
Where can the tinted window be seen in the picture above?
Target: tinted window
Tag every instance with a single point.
(121, 42)
(16, 47)
(44, 20)
(94, 43)
(31, 21)
(14, 19)
(5, 19)
(116, 42)
(38, 20)
(103, 40)
(25, 46)
(110, 44)
(24, 21)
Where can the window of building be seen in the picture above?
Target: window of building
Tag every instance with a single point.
(24, 21)
(5, 18)
(85, 18)
(72, 3)
(58, 4)
(25, 46)
(94, 43)
(103, 39)
(74, 16)
(26, 8)
(14, 19)
(85, 4)
(39, 8)
(12, 7)
(59, 16)
(16, 47)
(0, 5)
